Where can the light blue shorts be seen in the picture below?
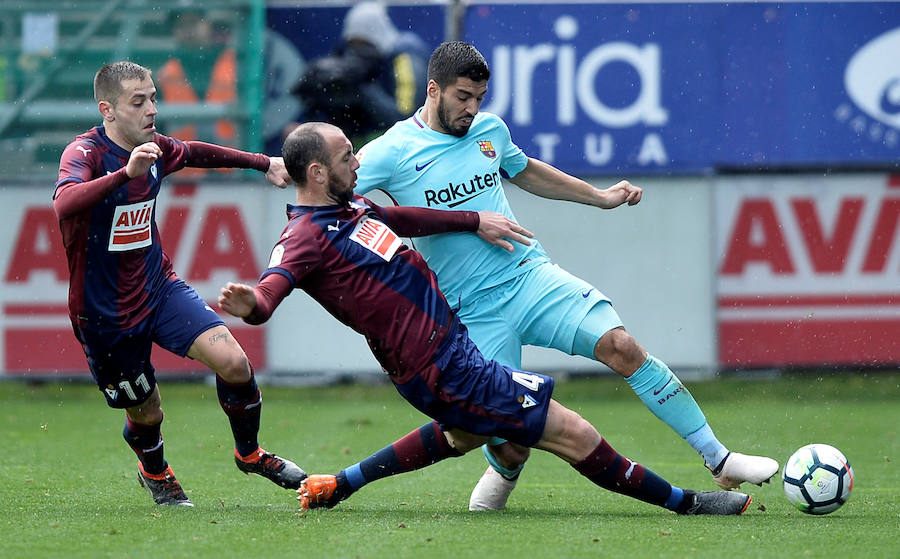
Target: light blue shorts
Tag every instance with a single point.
(547, 307)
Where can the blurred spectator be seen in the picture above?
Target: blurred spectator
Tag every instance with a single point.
(204, 64)
(374, 77)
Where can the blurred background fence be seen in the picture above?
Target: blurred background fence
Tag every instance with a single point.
(766, 136)
(51, 50)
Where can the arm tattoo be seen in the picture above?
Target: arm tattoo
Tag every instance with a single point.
(218, 337)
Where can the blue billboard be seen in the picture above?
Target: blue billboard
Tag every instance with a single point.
(645, 88)
(625, 88)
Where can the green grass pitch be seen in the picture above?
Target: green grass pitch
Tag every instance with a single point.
(68, 483)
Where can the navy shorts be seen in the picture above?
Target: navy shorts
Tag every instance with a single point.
(120, 359)
(463, 390)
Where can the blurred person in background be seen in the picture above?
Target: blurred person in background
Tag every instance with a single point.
(204, 66)
(124, 295)
(450, 155)
(372, 78)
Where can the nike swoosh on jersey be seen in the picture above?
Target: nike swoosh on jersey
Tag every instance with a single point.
(586, 293)
(421, 167)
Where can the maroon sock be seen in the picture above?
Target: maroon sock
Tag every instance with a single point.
(420, 448)
(146, 441)
(610, 470)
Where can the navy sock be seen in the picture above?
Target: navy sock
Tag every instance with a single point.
(610, 470)
(146, 441)
(420, 448)
(242, 404)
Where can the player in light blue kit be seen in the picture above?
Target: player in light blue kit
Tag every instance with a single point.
(450, 156)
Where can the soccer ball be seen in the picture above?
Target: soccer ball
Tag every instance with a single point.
(817, 479)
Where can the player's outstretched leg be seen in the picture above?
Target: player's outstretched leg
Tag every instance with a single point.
(670, 401)
(567, 435)
(420, 448)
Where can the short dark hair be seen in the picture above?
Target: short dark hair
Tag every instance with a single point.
(303, 146)
(108, 80)
(457, 59)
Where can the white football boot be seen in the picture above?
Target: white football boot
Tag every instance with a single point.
(738, 468)
(491, 492)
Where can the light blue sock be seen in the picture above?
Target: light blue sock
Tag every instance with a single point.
(708, 446)
(669, 400)
(492, 460)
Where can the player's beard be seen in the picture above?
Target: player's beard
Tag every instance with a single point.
(341, 195)
(444, 119)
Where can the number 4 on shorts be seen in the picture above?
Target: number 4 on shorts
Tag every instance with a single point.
(528, 380)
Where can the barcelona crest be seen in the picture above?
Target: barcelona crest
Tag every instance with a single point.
(487, 149)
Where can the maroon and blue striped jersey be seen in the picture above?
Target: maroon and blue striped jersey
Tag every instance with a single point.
(352, 260)
(108, 224)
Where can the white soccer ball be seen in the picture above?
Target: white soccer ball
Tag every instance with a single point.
(818, 479)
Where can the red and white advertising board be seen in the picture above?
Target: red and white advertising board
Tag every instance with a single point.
(212, 233)
(808, 270)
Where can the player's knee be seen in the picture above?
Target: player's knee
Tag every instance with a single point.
(234, 367)
(463, 442)
(148, 412)
(620, 351)
(578, 432)
(510, 455)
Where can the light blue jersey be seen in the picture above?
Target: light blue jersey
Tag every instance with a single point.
(417, 166)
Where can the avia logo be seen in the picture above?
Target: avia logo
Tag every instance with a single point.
(422, 167)
(453, 195)
(872, 78)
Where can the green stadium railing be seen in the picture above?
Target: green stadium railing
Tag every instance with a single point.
(50, 50)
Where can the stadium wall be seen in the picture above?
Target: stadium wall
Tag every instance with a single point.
(731, 272)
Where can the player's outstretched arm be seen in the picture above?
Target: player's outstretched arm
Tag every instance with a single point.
(546, 181)
(255, 304)
(211, 156)
(498, 230)
(277, 173)
(237, 299)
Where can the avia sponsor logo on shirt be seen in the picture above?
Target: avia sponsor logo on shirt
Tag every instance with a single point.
(132, 227)
(377, 237)
(453, 195)
(872, 81)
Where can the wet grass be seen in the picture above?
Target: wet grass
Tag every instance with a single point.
(68, 482)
